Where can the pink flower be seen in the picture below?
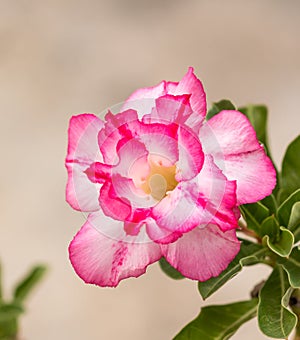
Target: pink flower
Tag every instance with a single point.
(158, 180)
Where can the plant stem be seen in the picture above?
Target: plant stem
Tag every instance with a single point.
(248, 232)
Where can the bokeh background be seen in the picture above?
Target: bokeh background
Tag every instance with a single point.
(60, 57)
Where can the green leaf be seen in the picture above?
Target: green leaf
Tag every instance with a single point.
(26, 285)
(292, 266)
(219, 322)
(1, 293)
(284, 243)
(248, 255)
(274, 319)
(9, 329)
(9, 312)
(270, 227)
(254, 214)
(223, 104)
(270, 203)
(285, 209)
(169, 270)
(294, 221)
(258, 116)
(290, 172)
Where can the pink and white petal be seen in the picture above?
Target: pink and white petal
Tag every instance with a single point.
(119, 121)
(190, 84)
(99, 172)
(170, 109)
(105, 261)
(143, 100)
(231, 140)
(160, 140)
(202, 253)
(125, 188)
(208, 198)
(115, 129)
(130, 152)
(194, 121)
(81, 193)
(220, 196)
(254, 173)
(132, 228)
(83, 150)
(159, 234)
(151, 92)
(228, 132)
(171, 86)
(83, 139)
(179, 211)
(118, 208)
(191, 157)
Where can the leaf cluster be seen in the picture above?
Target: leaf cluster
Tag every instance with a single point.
(272, 226)
(11, 311)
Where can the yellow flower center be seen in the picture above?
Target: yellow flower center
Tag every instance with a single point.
(160, 180)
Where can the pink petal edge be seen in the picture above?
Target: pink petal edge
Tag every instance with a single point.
(202, 253)
(105, 261)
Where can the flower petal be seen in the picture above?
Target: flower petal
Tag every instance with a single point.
(81, 193)
(229, 132)
(208, 198)
(115, 129)
(220, 196)
(159, 234)
(191, 157)
(126, 189)
(178, 211)
(143, 100)
(203, 252)
(254, 173)
(231, 139)
(190, 84)
(83, 133)
(83, 150)
(118, 208)
(103, 260)
(169, 109)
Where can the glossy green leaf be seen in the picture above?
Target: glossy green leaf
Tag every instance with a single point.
(254, 214)
(219, 322)
(169, 270)
(290, 172)
(292, 266)
(294, 221)
(270, 203)
(285, 209)
(270, 227)
(283, 245)
(248, 255)
(258, 115)
(27, 284)
(274, 319)
(223, 104)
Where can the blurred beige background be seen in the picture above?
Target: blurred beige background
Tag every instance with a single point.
(61, 57)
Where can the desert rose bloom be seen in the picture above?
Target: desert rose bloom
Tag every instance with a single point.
(157, 179)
